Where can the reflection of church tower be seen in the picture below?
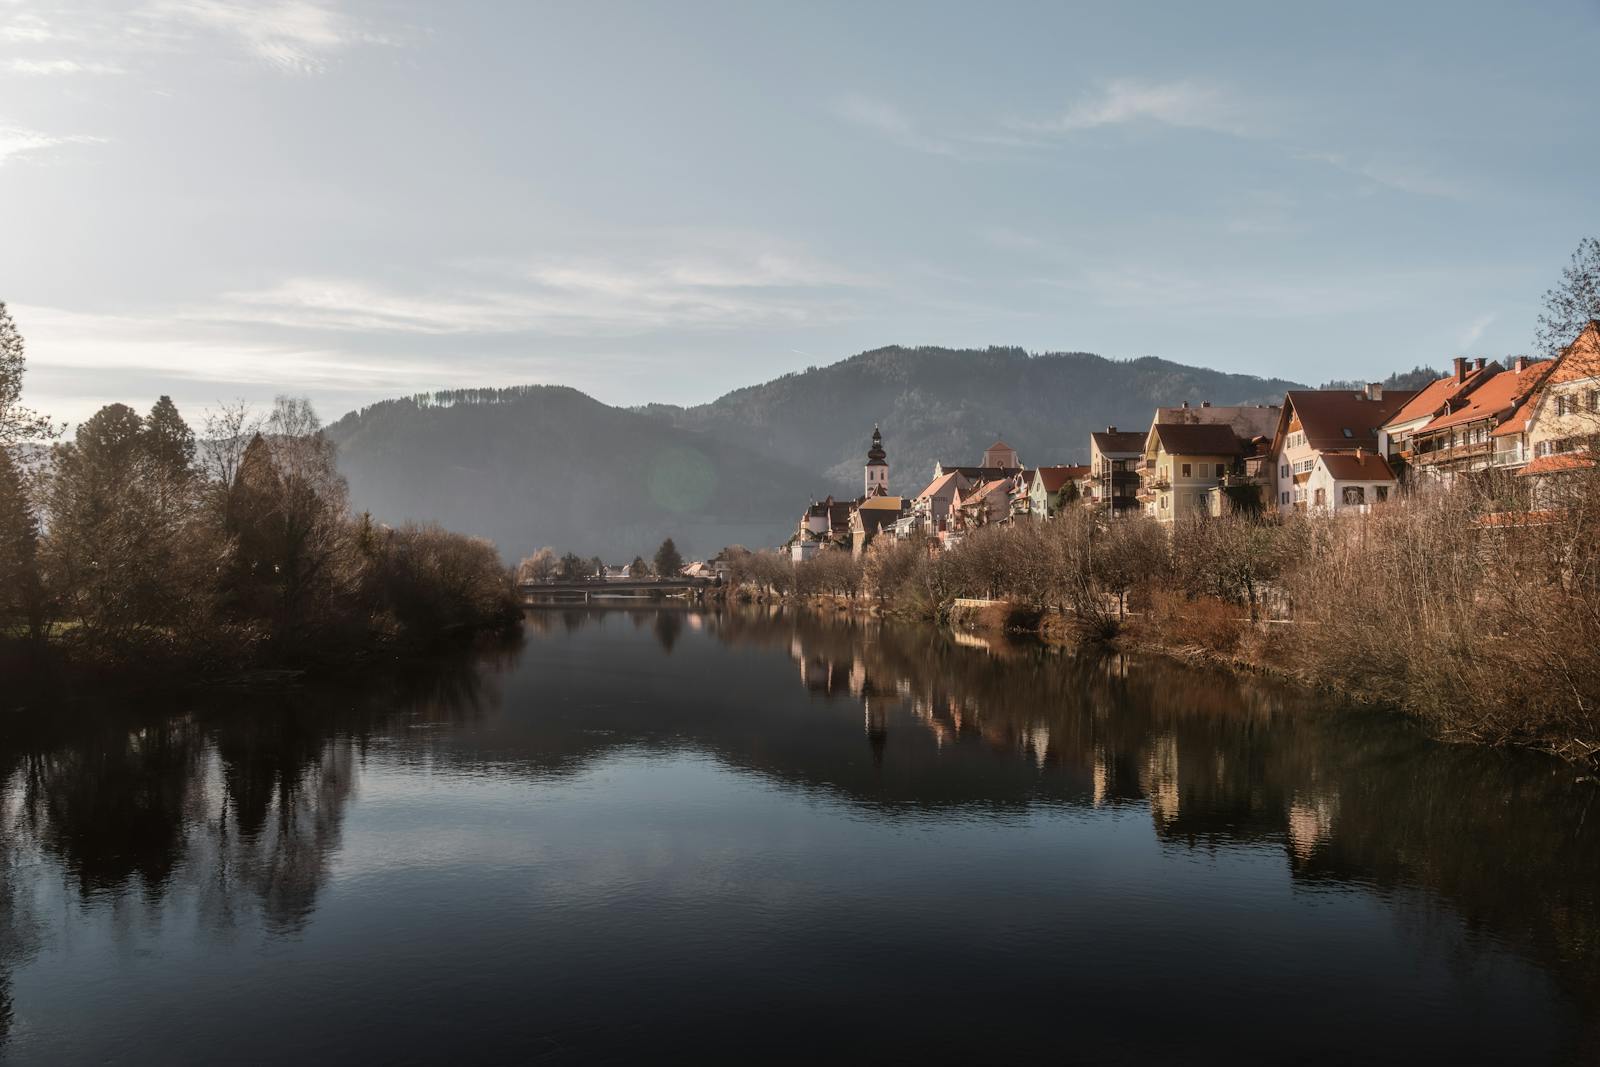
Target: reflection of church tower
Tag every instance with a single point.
(877, 723)
(877, 467)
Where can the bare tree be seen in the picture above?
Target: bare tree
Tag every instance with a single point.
(1574, 303)
(17, 423)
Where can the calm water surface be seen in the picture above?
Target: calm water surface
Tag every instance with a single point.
(774, 837)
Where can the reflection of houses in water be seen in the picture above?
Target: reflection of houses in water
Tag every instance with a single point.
(1311, 822)
(1160, 780)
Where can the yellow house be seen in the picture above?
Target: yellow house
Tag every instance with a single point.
(1182, 463)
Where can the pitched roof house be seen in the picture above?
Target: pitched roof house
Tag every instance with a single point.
(1182, 463)
(1045, 486)
(1394, 436)
(1472, 428)
(1325, 433)
(1561, 425)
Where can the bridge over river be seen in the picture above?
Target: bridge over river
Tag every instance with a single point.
(633, 588)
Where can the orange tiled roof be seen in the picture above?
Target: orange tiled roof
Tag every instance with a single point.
(1431, 398)
(1055, 477)
(1565, 461)
(1497, 397)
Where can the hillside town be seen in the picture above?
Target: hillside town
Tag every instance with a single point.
(1319, 450)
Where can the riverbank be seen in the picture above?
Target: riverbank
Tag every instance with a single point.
(1483, 623)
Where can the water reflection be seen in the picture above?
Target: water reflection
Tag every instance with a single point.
(236, 805)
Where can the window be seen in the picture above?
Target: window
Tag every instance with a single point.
(1186, 470)
(1383, 493)
(1594, 400)
(1561, 405)
(1355, 494)
(1283, 498)
(1222, 470)
(1283, 470)
(1322, 498)
(1304, 466)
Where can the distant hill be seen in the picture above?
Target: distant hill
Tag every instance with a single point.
(546, 465)
(949, 404)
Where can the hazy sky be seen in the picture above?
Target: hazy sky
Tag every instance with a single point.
(213, 198)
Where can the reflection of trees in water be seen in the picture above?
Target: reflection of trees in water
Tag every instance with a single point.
(240, 806)
(668, 626)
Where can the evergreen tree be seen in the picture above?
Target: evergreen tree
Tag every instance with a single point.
(572, 567)
(638, 568)
(20, 593)
(668, 562)
(168, 441)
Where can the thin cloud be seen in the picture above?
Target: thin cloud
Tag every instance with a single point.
(1475, 329)
(1400, 177)
(58, 67)
(1183, 104)
(294, 36)
(885, 118)
(19, 142)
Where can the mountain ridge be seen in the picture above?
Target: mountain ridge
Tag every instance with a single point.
(548, 464)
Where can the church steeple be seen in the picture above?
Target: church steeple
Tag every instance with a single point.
(877, 471)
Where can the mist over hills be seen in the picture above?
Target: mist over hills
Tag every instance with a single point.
(548, 465)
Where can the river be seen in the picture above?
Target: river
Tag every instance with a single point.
(673, 835)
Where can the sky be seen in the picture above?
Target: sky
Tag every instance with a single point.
(219, 199)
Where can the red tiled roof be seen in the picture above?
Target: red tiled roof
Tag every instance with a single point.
(1350, 467)
(1055, 477)
(939, 484)
(1498, 397)
(1327, 414)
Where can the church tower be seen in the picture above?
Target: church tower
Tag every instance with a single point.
(877, 467)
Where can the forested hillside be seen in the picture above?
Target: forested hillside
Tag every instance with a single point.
(948, 404)
(548, 465)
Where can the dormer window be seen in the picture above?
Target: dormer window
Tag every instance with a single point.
(1348, 432)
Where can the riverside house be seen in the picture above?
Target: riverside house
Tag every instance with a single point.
(1394, 436)
(1182, 463)
(1562, 431)
(1480, 429)
(1113, 477)
(1049, 487)
(1325, 453)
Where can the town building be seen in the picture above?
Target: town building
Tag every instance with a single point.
(876, 475)
(1047, 489)
(1114, 457)
(1000, 460)
(870, 517)
(1394, 436)
(1182, 463)
(1562, 432)
(1323, 434)
(1472, 429)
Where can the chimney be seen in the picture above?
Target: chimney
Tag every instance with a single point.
(1478, 363)
(1185, 403)
(1205, 403)
(1360, 453)
(1111, 429)
(1461, 368)
(1374, 390)
(1521, 364)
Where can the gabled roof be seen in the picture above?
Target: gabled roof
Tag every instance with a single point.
(1191, 439)
(1362, 466)
(1121, 441)
(1338, 419)
(1498, 397)
(1430, 399)
(999, 446)
(986, 490)
(1056, 477)
(941, 483)
(881, 503)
